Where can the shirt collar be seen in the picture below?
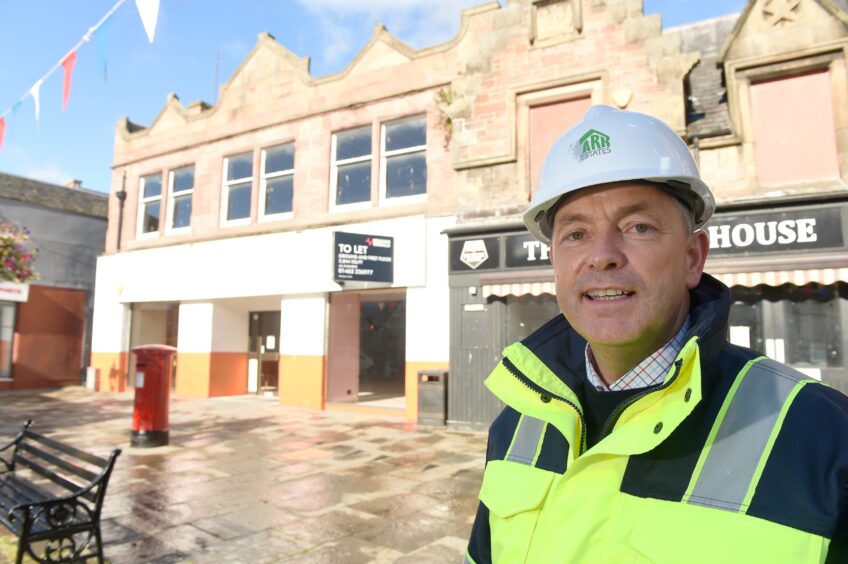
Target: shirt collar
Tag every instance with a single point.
(650, 371)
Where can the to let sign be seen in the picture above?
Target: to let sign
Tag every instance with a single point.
(363, 258)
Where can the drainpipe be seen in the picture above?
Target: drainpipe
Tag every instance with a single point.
(696, 145)
(122, 196)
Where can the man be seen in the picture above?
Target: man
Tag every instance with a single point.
(633, 431)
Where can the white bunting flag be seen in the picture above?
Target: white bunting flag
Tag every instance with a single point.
(149, 12)
(35, 92)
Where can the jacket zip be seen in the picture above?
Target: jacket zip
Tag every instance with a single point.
(521, 377)
(619, 409)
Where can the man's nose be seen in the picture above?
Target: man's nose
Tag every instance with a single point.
(606, 252)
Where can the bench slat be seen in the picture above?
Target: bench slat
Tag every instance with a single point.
(55, 478)
(25, 491)
(56, 461)
(67, 449)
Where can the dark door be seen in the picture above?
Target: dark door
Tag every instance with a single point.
(264, 351)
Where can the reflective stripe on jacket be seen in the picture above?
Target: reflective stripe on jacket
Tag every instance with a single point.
(734, 458)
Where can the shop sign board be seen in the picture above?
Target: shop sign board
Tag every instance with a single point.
(363, 258)
(525, 250)
(776, 231)
(13, 292)
(474, 254)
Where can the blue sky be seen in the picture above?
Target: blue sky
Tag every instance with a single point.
(190, 36)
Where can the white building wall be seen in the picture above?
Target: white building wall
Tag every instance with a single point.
(303, 325)
(195, 331)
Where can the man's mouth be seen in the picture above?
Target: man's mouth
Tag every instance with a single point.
(607, 294)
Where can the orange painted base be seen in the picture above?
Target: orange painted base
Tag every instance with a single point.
(204, 375)
(411, 383)
(301, 380)
(111, 371)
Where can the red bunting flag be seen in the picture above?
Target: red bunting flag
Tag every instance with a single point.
(2, 130)
(68, 65)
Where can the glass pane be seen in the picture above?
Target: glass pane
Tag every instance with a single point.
(278, 195)
(814, 333)
(7, 331)
(746, 322)
(405, 134)
(525, 314)
(354, 183)
(150, 221)
(238, 204)
(182, 211)
(353, 143)
(279, 158)
(184, 179)
(152, 185)
(240, 166)
(406, 175)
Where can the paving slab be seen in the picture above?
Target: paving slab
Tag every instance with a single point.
(246, 479)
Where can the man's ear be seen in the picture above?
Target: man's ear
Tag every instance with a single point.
(696, 255)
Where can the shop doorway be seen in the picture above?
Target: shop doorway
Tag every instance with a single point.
(801, 326)
(154, 324)
(263, 357)
(367, 349)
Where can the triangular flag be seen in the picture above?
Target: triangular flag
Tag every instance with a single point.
(101, 44)
(35, 91)
(15, 107)
(68, 65)
(2, 130)
(149, 12)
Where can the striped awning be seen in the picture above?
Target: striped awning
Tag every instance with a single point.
(519, 289)
(779, 277)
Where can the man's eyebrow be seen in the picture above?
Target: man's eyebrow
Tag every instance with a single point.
(574, 217)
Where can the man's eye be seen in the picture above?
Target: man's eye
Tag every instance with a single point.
(641, 228)
(574, 236)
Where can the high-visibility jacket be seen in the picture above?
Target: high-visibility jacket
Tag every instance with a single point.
(733, 458)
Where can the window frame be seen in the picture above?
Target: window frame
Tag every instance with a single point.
(386, 200)
(263, 183)
(169, 225)
(225, 191)
(144, 202)
(334, 171)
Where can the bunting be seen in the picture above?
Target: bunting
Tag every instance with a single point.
(148, 11)
(68, 66)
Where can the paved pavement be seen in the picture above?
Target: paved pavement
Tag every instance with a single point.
(248, 480)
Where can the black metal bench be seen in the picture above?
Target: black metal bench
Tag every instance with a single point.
(51, 495)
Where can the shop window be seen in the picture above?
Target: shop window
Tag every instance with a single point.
(7, 334)
(181, 188)
(547, 123)
(794, 131)
(277, 183)
(403, 161)
(813, 333)
(351, 170)
(150, 204)
(525, 314)
(238, 189)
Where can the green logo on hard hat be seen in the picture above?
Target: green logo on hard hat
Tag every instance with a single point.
(594, 143)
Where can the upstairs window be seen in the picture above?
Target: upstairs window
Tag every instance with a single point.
(794, 129)
(351, 171)
(403, 162)
(181, 186)
(238, 188)
(150, 203)
(277, 183)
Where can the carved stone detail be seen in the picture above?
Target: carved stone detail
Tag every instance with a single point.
(781, 12)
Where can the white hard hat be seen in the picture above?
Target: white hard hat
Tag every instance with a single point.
(611, 145)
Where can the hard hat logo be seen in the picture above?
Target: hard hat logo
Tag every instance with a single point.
(594, 143)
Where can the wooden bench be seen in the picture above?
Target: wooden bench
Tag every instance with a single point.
(51, 495)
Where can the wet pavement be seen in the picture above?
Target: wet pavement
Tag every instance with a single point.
(246, 479)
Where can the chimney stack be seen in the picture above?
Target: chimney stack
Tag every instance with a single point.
(74, 184)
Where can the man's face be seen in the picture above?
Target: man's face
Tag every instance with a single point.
(623, 265)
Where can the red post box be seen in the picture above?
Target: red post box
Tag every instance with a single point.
(152, 393)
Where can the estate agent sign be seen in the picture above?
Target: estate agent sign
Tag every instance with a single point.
(363, 258)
